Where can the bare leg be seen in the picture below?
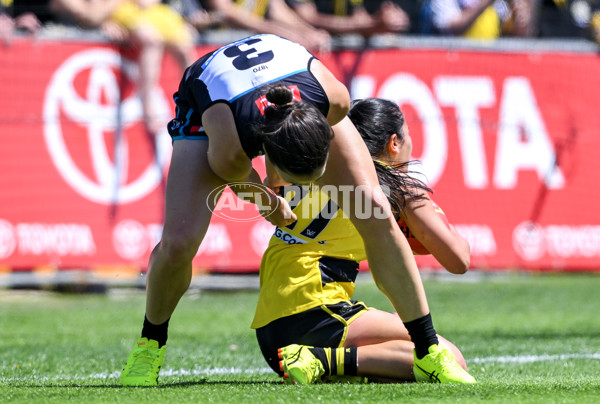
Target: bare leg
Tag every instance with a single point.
(187, 218)
(384, 346)
(390, 258)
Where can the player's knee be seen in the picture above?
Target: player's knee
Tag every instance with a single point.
(462, 266)
(178, 247)
(461, 361)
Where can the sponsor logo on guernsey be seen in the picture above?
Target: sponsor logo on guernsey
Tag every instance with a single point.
(287, 237)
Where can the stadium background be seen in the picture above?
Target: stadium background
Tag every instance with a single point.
(507, 133)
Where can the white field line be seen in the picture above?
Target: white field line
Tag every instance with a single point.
(533, 358)
(163, 373)
(519, 359)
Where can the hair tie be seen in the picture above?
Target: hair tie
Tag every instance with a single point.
(386, 165)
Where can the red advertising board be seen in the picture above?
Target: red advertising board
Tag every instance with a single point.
(507, 140)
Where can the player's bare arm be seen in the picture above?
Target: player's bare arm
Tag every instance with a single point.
(226, 156)
(438, 237)
(337, 93)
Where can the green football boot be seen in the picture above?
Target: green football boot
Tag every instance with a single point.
(143, 364)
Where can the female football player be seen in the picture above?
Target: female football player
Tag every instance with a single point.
(308, 271)
(306, 137)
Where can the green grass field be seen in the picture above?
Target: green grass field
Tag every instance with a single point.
(528, 338)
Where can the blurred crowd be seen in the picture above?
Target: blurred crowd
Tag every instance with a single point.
(310, 22)
(152, 27)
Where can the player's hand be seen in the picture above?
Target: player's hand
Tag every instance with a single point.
(279, 213)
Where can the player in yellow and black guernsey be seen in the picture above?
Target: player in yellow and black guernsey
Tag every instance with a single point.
(311, 262)
(308, 272)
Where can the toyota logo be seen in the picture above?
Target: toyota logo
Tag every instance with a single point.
(84, 95)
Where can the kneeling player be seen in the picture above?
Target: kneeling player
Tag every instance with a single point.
(308, 327)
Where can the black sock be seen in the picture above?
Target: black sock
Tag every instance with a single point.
(155, 332)
(422, 334)
(321, 355)
(349, 356)
(337, 361)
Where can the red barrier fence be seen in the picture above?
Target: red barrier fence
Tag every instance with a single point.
(508, 140)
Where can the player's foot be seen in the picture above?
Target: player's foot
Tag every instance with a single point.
(440, 366)
(299, 365)
(143, 363)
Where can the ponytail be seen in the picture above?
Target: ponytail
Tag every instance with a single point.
(294, 134)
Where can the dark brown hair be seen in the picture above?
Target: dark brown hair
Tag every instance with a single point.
(295, 134)
(377, 119)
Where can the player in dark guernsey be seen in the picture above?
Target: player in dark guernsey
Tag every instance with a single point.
(265, 94)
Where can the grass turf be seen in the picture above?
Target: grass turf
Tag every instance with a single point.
(528, 338)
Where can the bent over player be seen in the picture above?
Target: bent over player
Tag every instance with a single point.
(267, 95)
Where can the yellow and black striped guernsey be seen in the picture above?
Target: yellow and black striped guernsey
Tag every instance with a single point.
(313, 261)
